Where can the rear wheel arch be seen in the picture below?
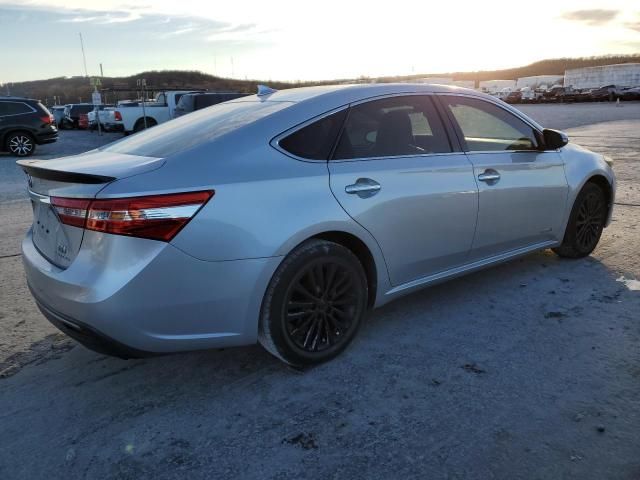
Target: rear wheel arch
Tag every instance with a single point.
(5, 135)
(139, 125)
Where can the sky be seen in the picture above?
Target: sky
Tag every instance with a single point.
(298, 40)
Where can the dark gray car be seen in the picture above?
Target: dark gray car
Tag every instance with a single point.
(191, 102)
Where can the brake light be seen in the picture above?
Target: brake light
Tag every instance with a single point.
(47, 119)
(117, 115)
(71, 211)
(157, 217)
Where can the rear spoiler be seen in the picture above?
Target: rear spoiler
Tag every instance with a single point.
(35, 169)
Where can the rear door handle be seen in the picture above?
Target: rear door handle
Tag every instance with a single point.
(489, 176)
(364, 188)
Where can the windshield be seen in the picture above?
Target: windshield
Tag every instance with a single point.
(194, 129)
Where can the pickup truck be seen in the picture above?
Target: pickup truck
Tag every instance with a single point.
(159, 110)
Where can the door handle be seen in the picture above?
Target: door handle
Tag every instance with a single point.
(490, 176)
(364, 188)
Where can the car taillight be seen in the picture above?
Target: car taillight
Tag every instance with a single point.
(157, 217)
(71, 211)
(47, 119)
(117, 115)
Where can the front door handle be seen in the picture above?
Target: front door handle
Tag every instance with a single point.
(490, 176)
(364, 188)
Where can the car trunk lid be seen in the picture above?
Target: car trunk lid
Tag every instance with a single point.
(78, 177)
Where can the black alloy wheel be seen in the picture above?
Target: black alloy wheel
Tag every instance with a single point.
(589, 221)
(314, 305)
(321, 306)
(586, 223)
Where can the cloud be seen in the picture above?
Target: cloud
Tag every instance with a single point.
(163, 26)
(633, 26)
(591, 17)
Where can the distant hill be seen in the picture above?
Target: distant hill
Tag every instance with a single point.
(77, 89)
(556, 66)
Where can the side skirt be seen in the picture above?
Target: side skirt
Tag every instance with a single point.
(462, 270)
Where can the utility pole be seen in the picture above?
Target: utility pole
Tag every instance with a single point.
(142, 83)
(101, 74)
(84, 59)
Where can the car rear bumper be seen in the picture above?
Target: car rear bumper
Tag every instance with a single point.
(48, 137)
(133, 297)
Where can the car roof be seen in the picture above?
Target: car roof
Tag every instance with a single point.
(354, 92)
(12, 98)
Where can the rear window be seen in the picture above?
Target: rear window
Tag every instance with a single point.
(208, 99)
(195, 129)
(203, 101)
(79, 109)
(43, 108)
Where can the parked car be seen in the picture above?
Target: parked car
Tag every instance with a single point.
(83, 121)
(72, 114)
(514, 96)
(25, 123)
(569, 95)
(284, 216)
(528, 95)
(58, 114)
(191, 102)
(552, 94)
(631, 93)
(608, 93)
(147, 114)
(103, 115)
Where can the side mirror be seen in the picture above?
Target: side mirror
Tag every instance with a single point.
(554, 139)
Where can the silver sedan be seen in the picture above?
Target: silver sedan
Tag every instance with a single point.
(285, 216)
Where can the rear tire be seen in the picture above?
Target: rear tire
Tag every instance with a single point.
(586, 222)
(140, 124)
(20, 144)
(314, 305)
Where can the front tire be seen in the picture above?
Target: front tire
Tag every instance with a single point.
(314, 305)
(586, 222)
(20, 144)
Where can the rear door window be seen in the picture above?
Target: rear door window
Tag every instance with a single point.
(14, 108)
(389, 127)
(315, 141)
(487, 127)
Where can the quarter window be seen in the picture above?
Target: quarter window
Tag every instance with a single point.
(405, 125)
(487, 127)
(315, 140)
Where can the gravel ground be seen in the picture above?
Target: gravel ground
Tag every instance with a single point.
(528, 370)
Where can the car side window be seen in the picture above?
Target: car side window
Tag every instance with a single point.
(315, 141)
(487, 127)
(14, 108)
(405, 125)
